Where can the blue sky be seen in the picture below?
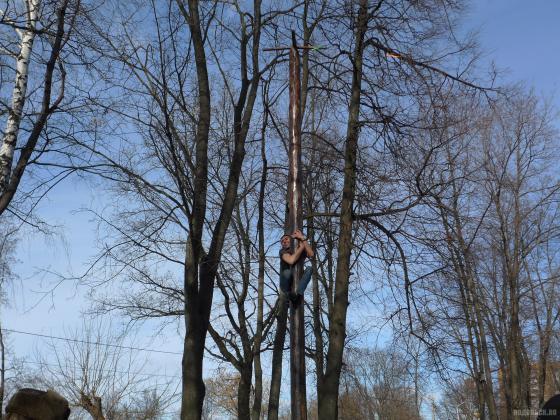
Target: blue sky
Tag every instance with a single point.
(520, 37)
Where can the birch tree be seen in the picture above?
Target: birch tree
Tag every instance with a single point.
(27, 110)
(27, 37)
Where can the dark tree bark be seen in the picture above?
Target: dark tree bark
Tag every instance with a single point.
(200, 267)
(328, 404)
(277, 356)
(257, 402)
(198, 299)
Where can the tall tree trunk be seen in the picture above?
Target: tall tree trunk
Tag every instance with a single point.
(10, 179)
(464, 266)
(512, 250)
(193, 389)
(244, 392)
(295, 221)
(542, 366)
(545, 332)
(278, 350)
(2, 371)
(257, 402)
(277, 358)
(472, 344)
(201, 268)
(328, 404)
(246, 365)
(316, 304)
(18, 94)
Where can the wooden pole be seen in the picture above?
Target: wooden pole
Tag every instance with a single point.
(295, 221)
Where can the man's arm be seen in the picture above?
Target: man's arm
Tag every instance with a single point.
(308, 249)
(303, 241)
(293, 258)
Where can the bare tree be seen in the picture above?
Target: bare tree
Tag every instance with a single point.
(192, 186)
(488, 229)
(183, 224)
(241, 322)
(518, 155)
(369, 204)
(8, 241)
(94, 371)
(460, 400)
(37, 75)
(377, 382)
(328, 407)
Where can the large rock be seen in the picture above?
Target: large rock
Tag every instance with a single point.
(33, 404)
(551, 409)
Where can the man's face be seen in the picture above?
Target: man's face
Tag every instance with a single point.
(285, 241)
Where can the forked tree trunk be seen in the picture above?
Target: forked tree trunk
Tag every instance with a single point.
(196, 323)
(200, 267)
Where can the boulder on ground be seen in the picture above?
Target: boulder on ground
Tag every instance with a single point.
(33, 404)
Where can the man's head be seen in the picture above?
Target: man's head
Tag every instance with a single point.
(285, 241)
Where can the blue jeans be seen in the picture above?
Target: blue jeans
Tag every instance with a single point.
(286, 277)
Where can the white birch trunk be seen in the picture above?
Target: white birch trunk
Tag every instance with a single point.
(18, 96)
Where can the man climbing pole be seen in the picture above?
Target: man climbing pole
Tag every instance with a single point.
(289, 259)
(291, 262)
